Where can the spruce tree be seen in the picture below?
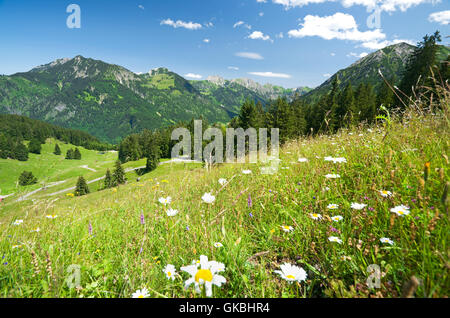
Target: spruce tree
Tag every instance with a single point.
(20, 152)
(57, 150)
(81, 187)
(108, 183)
(346, 103)
(69, 154)
(27, 178)
(119, 174)
(35, 146)
(76, 154)
(420, 64)
(152, 157)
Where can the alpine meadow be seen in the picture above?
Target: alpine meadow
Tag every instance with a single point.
(112, 183)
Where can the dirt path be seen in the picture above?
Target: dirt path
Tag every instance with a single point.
(24, 197)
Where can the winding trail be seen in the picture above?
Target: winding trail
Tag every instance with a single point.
(24, 197)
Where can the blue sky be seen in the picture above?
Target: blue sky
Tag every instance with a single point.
(286, 42)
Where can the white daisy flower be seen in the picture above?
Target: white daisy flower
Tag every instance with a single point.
(141, 293)
(16, 246)
(401, 210)
(292, 273)
(387, 241)
(328, 158)
(205, 275)
(315, 216)
(36, 230)
(302, 160)
(52, 216)
(332, 176)
(208, 198)
(172, 212)
(287, 228)
(170, 271)
(339, 160)
(18, 222)
(335, 239)
(246, 171)
(358, 206)
(218, 244)
(385, 193)
(333, 206)
(337, 218)
(222, 181)
(165, 201)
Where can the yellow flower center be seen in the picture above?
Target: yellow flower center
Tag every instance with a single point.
(141, 296)
(204, 274)
(385, 192)
(315, 215)
(290, 277)
(401, 212)
(169, 274)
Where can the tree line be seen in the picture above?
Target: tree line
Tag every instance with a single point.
(15, 129)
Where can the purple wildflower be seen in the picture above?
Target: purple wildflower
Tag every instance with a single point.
(250, 214)
(333, 229)
(90, 228)
(142, 219)
(249, 201)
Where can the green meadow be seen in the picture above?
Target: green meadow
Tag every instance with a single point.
(121, 239)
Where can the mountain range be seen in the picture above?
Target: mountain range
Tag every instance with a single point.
(111, 102)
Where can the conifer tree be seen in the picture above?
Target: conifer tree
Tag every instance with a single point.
(27, 178)
(152, 157)
(35, 146)
(76, 154)
(69, 154)
(386, 96)
(81, 187)
(345, 105)
(108, 183)
(57, 150)
(119, 174)
(420, 64)
(20, 152)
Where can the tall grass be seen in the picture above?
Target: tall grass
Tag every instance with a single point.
(103, 232)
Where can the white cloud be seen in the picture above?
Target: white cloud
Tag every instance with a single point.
(377, 45)
(384, 5)
(327, 75)
(361, 55)
(280, 35)
(333, 54)
(258, 35)
(270, 74)
(191, 75)
(242, 23)
(209, 24)
(339, 26)
(206, 40)
(234, 68)
(442, 17)
(261, 14)
(182, 24)
(141, 7)
(250, 55)
(261, 1)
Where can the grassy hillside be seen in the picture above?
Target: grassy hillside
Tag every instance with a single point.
(50, 169)
(122, 238)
